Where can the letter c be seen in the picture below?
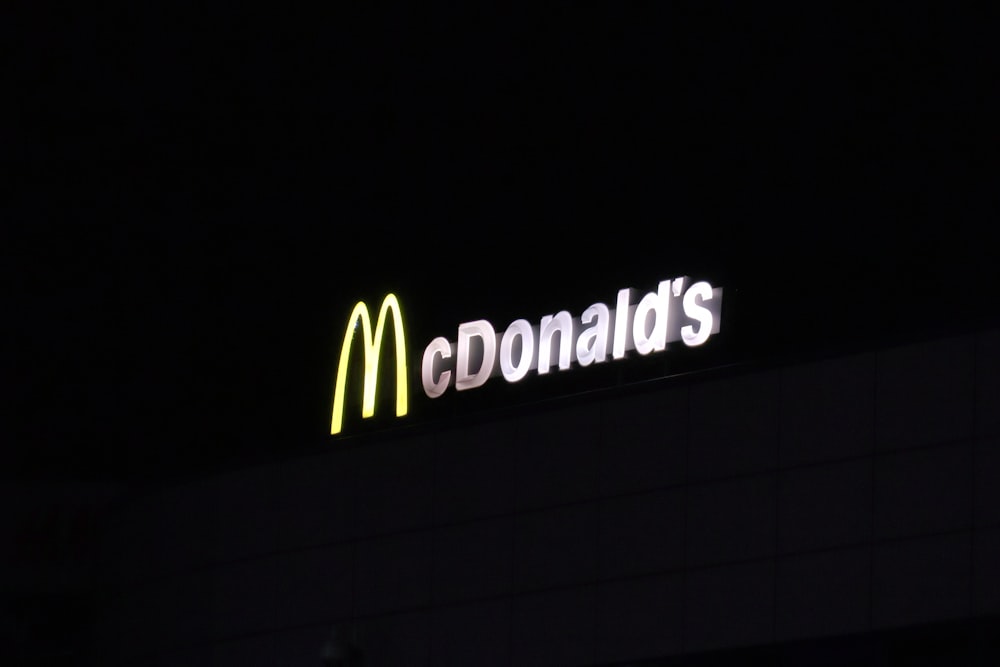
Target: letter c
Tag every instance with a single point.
(439, 347)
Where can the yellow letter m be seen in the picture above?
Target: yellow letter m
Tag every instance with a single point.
(372, 347)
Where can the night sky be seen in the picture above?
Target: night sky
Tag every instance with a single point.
(196, 200)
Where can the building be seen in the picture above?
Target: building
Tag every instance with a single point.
(818, 510)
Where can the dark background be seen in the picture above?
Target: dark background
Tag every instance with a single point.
(197, 198)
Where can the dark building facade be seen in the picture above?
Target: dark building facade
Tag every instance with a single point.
(840, 509)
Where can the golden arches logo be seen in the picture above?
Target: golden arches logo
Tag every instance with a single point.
(372, 347)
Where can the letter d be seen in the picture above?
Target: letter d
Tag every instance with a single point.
(486, 357)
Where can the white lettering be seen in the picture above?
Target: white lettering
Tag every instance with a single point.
(703, 291)
(621, 323)
(652, 338)
(439, 347)
(484, 356)
(592, 345)
(518, 338)
(669, 314)
(561, 323)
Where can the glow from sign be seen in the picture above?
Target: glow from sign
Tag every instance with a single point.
(592, 345)
(520, 340)
(372, 345)
(438, 348)
(671, 313)
(675, 311)
(561, 325)
(699, 291)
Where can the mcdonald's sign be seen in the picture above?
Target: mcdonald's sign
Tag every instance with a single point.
(677, 310)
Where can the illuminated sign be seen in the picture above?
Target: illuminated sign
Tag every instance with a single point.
(677, 311)
(372, 347)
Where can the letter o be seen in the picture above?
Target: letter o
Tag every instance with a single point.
(517, 329)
